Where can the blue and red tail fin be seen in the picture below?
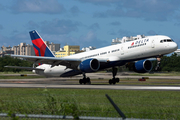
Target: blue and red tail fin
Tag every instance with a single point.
(40, 47)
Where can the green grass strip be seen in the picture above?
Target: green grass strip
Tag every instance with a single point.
(90, 102)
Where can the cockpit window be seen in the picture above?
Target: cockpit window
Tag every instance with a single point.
(166, 40)
(169, 40)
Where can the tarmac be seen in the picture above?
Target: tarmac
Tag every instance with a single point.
(102, 82)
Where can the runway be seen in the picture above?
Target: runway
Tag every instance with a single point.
(100, 82)
(112, 87)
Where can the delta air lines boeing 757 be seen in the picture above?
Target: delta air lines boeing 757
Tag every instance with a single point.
(136, 50)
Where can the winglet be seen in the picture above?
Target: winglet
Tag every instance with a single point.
(40, 47)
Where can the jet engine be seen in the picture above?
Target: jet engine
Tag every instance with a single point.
(89, 65)
(143, 66)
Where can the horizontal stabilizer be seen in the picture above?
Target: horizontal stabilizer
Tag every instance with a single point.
(26, 68)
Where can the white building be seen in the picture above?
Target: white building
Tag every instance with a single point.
(88, 48)
(126, 39)
(177, 52)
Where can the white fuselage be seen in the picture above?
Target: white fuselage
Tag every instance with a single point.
(150, 46)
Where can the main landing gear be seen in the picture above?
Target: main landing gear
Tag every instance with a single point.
(85, 80)
(114, 80)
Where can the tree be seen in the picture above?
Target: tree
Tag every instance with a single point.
(170, 63)
(9, 61)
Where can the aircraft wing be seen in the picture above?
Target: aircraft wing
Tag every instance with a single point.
(69, 62)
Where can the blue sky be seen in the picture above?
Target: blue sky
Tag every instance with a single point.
(87, 22)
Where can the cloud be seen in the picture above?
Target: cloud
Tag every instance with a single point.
(21, 38)
(158, 10)
(32, 25)
(57, 26)
(2, 7)
(90, 39)
(37, 6)
(100, 2)
(94, 26)
(151, 32)
(1, 27)
(15, 39)
(122, 33)
(116, 23)
(58, 31)
(85, 40)
(74, 11)
(112, 32)
(4, 40)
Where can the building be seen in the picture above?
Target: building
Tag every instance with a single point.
(177, 52)
(6, 50)
(68, 50)
(52, 46)
(88, 48)
(26, 49)
(126, 39)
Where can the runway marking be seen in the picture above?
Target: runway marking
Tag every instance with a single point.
(116, 87)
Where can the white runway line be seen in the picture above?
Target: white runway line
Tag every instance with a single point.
(117, 87)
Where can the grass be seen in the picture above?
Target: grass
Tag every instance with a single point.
(88, 102)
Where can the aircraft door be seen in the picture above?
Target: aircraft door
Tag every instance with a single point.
(153, 44)
(122, 50)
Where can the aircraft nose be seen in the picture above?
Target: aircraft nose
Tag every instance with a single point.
(173, 46)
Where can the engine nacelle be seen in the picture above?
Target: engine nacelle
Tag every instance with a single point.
(89, 65)
(143, 66)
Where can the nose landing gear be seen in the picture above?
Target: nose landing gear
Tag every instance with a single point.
(158, 68)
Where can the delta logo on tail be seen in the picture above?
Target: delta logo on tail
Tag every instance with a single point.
(40, 48)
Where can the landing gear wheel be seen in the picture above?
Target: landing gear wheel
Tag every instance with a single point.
(117, 80)
(88, 80)
(110, 81)
(81, 81)
(85, 80)
(114, 80)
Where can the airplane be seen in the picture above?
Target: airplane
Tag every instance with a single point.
(134, 50)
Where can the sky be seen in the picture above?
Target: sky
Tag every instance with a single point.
(87, 22)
